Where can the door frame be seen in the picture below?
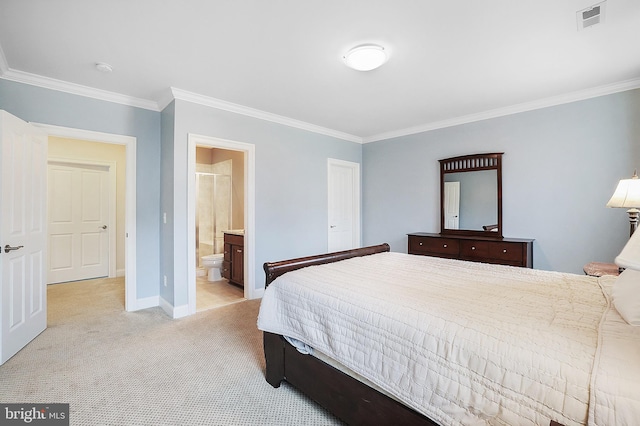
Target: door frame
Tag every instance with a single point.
(111, 170)
(356, 235)
(250, 292)
(130, 298)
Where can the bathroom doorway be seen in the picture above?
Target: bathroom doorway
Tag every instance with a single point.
(246, 268)
(219, 219)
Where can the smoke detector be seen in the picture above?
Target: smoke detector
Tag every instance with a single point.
(590, 16)
(104, 67)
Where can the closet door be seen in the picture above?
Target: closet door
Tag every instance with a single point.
(343, 205)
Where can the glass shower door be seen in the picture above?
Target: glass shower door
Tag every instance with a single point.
(213, 212)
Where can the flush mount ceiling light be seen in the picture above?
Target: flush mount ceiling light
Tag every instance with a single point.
(365, 57)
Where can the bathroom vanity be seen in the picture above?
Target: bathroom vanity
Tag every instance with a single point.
(233, 265)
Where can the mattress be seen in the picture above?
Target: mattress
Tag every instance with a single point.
(462, 342)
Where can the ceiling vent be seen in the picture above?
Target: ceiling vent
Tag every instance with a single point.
(590, 16)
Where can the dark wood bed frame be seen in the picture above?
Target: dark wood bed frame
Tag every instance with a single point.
(342, 395)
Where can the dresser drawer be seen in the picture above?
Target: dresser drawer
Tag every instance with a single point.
(420, 245)
(506, 251)
(475, 249)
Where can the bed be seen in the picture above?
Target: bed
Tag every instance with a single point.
(405, 339)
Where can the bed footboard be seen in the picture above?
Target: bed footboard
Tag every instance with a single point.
(343, 396)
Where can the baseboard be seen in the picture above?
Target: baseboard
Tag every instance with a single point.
(147, 302)
(180, 311)
(166, 307)
(257, 293)
(173, 311)
(121, 273)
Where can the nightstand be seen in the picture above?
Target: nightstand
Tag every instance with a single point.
(598, 269)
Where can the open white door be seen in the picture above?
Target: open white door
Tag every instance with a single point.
(344, 205)
(23, 236)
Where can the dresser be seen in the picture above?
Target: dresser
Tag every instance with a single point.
(504, 251)
(233, 264)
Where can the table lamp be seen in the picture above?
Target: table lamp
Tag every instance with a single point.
(627, 195)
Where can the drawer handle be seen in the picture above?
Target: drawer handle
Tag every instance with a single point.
(420, 243)
(504, 251)
(240, 251)
(445, 246)
(473, 247)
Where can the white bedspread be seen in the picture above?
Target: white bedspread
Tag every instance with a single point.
(615, 386)
(463, 343)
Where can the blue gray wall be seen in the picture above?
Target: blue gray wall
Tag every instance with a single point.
(291, 185)
(35, 104)
(166, 202)
(560, 167)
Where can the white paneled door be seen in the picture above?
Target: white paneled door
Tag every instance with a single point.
(344, 205)
(23, 236)
(452, 205)
(78, 222)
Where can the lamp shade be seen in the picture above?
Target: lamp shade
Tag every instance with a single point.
(627, 194)
(629, 257)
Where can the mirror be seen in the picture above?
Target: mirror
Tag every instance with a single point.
(471, 195)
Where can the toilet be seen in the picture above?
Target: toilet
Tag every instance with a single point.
(213, 263)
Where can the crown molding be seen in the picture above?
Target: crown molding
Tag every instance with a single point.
(579, 95)
(75, 89)
(165, 98)
(172, 93)
(262, 115)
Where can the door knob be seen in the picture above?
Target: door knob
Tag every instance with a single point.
(8, 248)
(104, 227)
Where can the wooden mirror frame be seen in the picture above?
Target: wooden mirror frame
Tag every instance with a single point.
(471, 163)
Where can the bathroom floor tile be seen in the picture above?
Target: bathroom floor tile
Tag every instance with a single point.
(213, 294)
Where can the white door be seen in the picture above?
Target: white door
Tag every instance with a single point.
(452, 205)
(344, 205)
(78, 222)
(23, 236)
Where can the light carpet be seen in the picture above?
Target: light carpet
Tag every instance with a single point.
(144, 368)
